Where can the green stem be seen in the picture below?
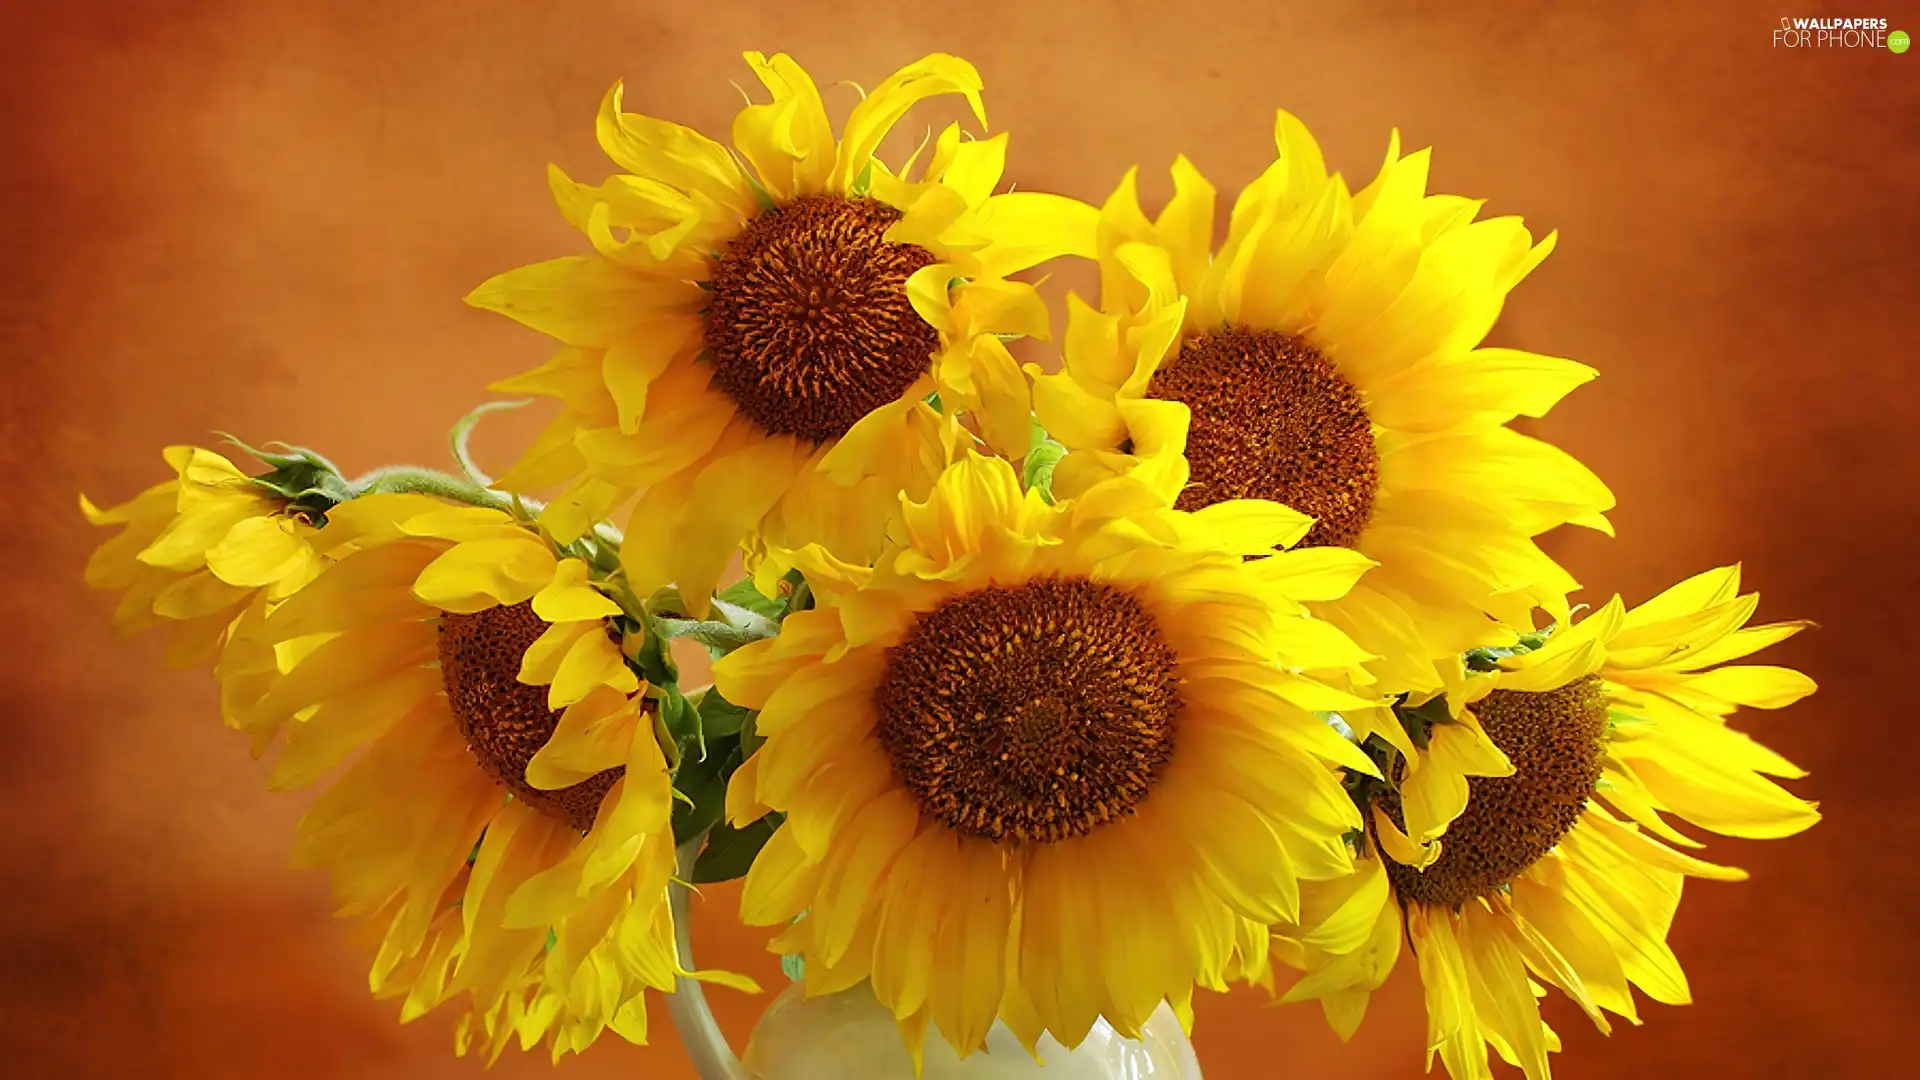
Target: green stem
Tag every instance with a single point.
(712, 1058)
(463, 430)
(412, 478)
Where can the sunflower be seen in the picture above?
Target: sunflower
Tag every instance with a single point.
(197, 551)
(1326, 358)
(751, 348)
(506, 820)
(1557, 871)
(1044, 762)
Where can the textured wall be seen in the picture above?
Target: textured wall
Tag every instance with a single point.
(261, 216)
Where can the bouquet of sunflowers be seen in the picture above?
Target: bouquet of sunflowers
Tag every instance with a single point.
(1218, 650)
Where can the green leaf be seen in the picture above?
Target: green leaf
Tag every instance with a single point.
(794, 967)
(1041, 461)
(742, 594)
(703, 784)
(746, 619)
(730, 851)
(720, 638)
(750, 737)
(718, 716)
(682, 720)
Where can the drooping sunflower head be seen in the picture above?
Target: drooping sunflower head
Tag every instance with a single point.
(505, 808)
(605, 992)
(1327, 357)
(1528, 836)
(1069, 750)
(194, 552)
(751, 347)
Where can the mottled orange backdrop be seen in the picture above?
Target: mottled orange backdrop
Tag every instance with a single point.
(260, 216)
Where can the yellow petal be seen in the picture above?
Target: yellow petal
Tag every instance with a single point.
(569, 598)
(182, 547)
(1435, 793)
(260, 551)
(789, 142)
(480, 574)
(876, 114)
(1398, 847)
(631, 366)
(197, 595)
(1030, 227)
(780, 884)
(728, 499)
(1319, 573)
(1759, 686)
(593, 660)
(585, 300)
(670, 152)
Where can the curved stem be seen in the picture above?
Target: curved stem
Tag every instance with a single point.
(463, 430)
(429, 482)
(712, 1058)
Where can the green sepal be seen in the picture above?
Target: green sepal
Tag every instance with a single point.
(669, 744)
(719, 717)
(681, 719)
(862, 183)
(309, 482)
(743, 594)
(1042, 460)
(933, 400)
(702, 785)
(1488, 658)
(645, 645)
(730, 851)
(1617, 719)
(760, 193)
(792, 965)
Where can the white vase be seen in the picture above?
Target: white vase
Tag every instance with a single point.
(851, 1036)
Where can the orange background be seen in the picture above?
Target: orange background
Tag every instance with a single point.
(260, 216)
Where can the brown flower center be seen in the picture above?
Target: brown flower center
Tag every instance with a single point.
(1275, 420)
(504, 720)
(809, 328)
(1555, 740)
(1038, 711)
